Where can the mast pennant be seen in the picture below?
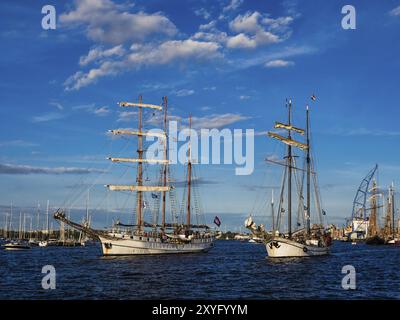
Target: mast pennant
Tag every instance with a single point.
(279, 125)
(287, 141)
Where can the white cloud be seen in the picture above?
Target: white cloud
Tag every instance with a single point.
(278, 23)
(278, 63)
(202, 13)
(23, 169)
(241, 41)
(105, 21)
(364, 132)
(395, 12)
(256, 29)
(98, 54)
(151, 54)
(246, 23)
(233, 5)
(125, 116)
(208, 26)
(47, 117)
(103, 111)
(57, 105)
(212, 36)
(280, 54)
(243, 97)
(184, 93)
(217, 120)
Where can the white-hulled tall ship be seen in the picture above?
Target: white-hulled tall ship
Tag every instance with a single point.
(305, 240)
(144, 237)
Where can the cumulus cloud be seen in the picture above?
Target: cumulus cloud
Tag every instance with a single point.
(143, 55)
(395, 12)
(246, 23)
(278, 63)
(233, 5)
(24, 170)
(98, 53)
(255, 29)
(107, 22)
(202, 13)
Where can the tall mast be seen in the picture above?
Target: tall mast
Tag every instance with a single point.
(164, 193)
(10, 222)
(308, 173)
(140, 168)
(392, 208)
(47, 220)
(38, 221)
(189, 175)
(87, 208)
(289, 159)
(272, 212)
(20, 226)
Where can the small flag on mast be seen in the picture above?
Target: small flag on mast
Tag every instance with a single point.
(313, 97)
(217, 221)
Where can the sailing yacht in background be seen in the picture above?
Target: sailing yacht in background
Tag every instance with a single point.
(302, 242)
(44, 243)
(144, 237)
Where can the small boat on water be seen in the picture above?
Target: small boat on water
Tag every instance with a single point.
(16, 245)
(43, 244)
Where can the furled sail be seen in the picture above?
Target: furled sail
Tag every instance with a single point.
(140, 105)
(138, 133)
(139, 160)
(287, 141)
(279, 125)
(113, 187)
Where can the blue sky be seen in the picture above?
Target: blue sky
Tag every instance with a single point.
(231, 63)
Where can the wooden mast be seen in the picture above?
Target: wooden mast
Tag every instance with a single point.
(289, 159)
(164, 193)
(308, 173)
(189, 175)
(140, 168)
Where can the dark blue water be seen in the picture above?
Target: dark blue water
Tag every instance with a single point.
(231, 270)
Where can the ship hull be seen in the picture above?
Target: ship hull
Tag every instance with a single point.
(284, 248)
(137, 246)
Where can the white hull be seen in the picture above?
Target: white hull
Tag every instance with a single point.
(284, 248)
(11, 246)
(43, 244)
(143, 245)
